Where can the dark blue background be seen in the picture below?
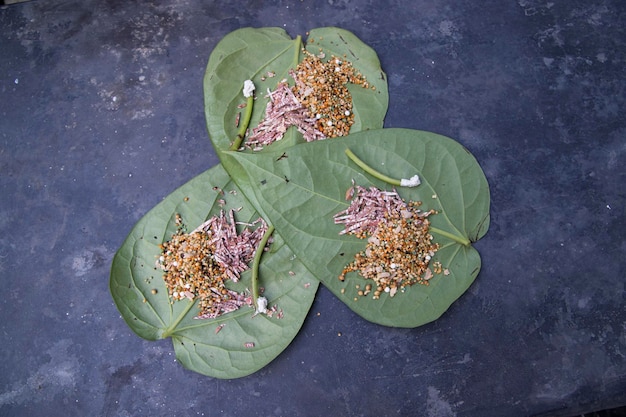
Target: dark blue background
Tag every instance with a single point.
(101, 117)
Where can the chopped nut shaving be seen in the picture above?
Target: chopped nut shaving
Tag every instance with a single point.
(198, 264)
(367, 209)
(283, 111)
(399, 245)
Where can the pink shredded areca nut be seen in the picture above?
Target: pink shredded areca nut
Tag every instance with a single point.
(283, 111)
(233, 251)
(367, 209)
(399, 245)
(197, 265)
(319, 104)
(232, 302)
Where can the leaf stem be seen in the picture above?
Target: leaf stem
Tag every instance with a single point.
(296, 55)
(168, 332)
(244, 124)
(371, 170)
(462, 240)
(256, 261)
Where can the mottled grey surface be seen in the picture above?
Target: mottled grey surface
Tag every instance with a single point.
(101, 116)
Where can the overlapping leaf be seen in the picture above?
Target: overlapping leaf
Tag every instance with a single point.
(254, 53)
(245, 343)
(298, 188)
(301, 192)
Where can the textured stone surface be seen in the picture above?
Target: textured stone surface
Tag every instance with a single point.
(101, 116)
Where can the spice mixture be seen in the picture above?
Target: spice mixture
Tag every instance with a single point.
(322, 88)
(399, 246)
(198, 264)
(283, 110)
(319, 104)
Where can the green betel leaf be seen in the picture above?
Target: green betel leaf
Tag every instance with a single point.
(302, 191)
(234, 344)
(265, 56)
(241, 38)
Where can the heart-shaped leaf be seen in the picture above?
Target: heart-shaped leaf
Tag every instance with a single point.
(301, 192)
(265, 56)
(234, 344)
